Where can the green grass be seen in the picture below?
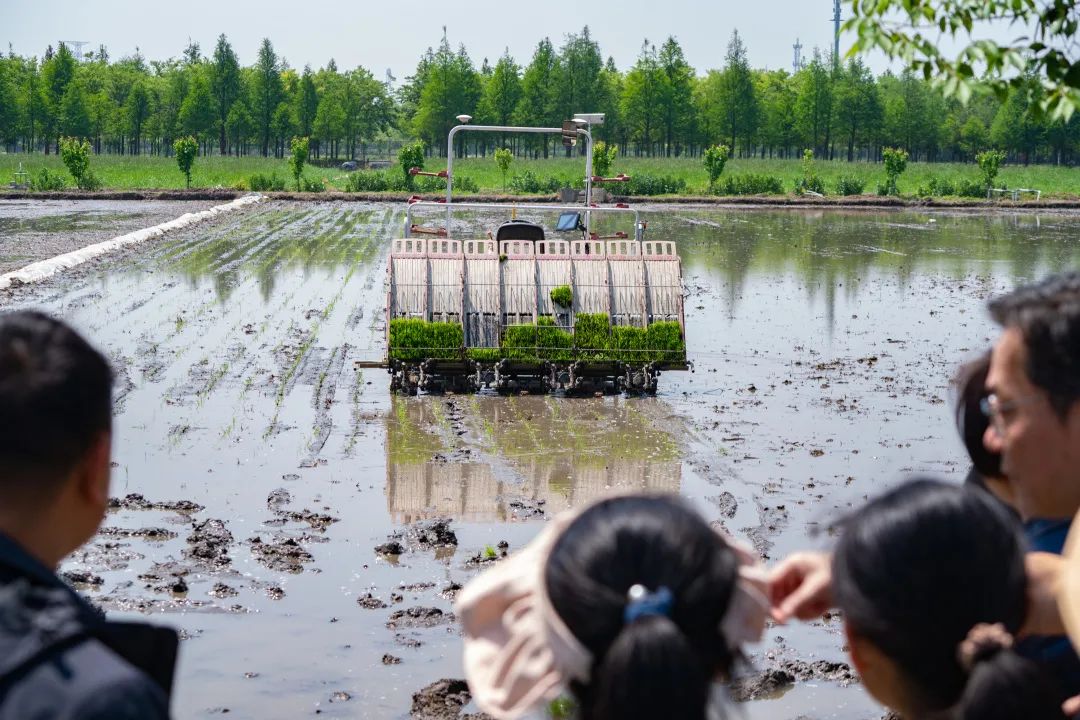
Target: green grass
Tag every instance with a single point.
(146, 172)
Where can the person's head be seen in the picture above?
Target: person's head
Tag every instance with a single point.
(659, 665)
(914, 571)
(1033, 388)
(55, 430)
(971, 422)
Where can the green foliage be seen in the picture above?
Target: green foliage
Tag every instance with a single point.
(715, 159)
(810, 181)
(750, 184)
(562, 296)
(312, 186)
(76, 156)
(415, 339)
(186, 148)
(989, 164)
(490, 553)
(44, 181)
(503, 158)
(936, 187)
(529, 184)
(561, 708)
(260, 182)
(895, 164)
(591, 334)
(410, 156)
(911, 30)
(484, 354)
(298, 149)
(849, 185)
(649, 184)
(603, 157)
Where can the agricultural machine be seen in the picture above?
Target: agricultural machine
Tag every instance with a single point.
(523, 308)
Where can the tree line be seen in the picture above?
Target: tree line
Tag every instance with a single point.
(659, 107)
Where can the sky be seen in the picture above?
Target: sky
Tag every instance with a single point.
(380, 35)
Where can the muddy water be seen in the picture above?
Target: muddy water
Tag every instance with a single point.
(822, 345)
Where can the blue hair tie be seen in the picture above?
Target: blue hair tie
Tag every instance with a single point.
(642, 603)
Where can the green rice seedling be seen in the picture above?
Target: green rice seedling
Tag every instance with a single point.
(519, 342)
(415, 339)
(562, 296)
(665, 341)
(591, 334)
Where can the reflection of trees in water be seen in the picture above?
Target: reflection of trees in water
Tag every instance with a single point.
(266, 244)
(564, 452)
(824, 249)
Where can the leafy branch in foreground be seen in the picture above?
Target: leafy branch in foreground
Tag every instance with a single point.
(912, 30)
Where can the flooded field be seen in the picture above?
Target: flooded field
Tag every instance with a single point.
(282, 508)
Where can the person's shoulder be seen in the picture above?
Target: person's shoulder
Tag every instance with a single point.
(87, 681)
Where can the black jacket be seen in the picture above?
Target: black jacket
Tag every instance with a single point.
(61, 660)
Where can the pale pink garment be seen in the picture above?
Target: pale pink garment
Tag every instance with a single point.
(518, 651)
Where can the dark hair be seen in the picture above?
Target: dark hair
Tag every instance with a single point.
(915, 569)
(970, 420)
(655, 666)
(1003, 686)
(1047, 313)
(55, 400)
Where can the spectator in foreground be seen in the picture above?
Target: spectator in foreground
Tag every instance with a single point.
(972, 424)
(59, 657)
(635, 606)
(931, 582)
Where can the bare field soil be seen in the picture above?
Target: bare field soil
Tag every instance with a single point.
(289, 515)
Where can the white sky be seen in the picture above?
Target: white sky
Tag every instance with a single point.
(380, 35)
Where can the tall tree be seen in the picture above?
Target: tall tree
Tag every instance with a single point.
(677, 90)
(56, 74)
(74, 113)
(224, 85)
(266, 93)
(537, 104)
(307, 102)
(136, 111)
(858, 106)
(642, 93)
(451, 88)
(814, 104)
(738, 99)
(776, 129)
(502, 92)
(198, 112)
(577, 75)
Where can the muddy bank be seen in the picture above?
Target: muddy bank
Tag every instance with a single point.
(738, 201)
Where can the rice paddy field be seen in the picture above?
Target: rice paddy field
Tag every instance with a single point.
(307, 531)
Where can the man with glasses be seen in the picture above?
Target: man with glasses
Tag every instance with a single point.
(1033, 402)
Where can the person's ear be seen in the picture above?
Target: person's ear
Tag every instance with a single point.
(856, 648)
(93, 471)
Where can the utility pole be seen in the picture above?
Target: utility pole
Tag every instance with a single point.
(836, 34)
(796, 66)
(75, 46)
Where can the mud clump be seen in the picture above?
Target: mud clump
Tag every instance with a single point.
(370, 602)
(450, 591)
(418, 617)
(317, 521)
(430, 535)
(526, 509)
(774, 680)
(150, 534)
(222, 591)
(278, 499)
(209, 543)
(441, 700)
(280, 555)
(389, 659)
(726, 503)
(763, 684)
(407, 641)
(390, 548)
(135, 501)
(82, 579)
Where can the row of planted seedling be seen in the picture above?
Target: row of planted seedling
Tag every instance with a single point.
(593, 338)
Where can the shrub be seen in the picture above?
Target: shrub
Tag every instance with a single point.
(259, 182)
(186, 148)
(312, 186)
(603, 157)
(971, 189)
(415, 339)
(715, 159)
(809, 182)
(646, 184)
(849, 185)
(989, 163)
(503, 158)
(298, 155)
(895, 165)
(530, 183)
(410, 156)
(751, 184)
(76, 156)
(45, 180)
(562, 296)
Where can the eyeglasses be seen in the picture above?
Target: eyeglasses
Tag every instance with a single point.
(996, 410)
